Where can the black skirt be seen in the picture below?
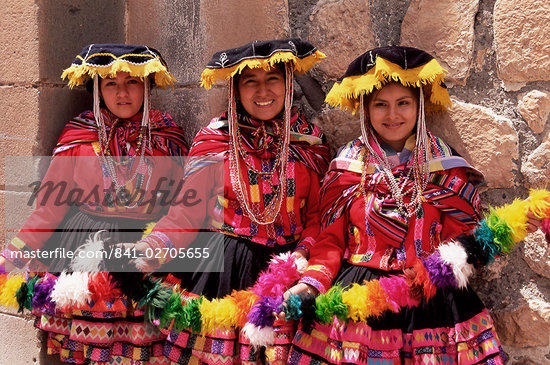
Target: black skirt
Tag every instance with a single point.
(452, 327)
(243, 261)
(77, 227)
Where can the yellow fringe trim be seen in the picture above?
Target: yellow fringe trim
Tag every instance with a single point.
(345, 94)
(79, 74)
(514, 215)
(539, 203)
(354, 298)
(10, 287)
(301, 65)
(218, 314)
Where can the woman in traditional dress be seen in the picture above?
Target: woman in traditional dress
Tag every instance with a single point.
(264, 196)
(108, 162)
(391, 202)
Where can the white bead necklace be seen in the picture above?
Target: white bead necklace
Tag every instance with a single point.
(419, 164)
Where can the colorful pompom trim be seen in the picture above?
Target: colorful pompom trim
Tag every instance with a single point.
(168, 306)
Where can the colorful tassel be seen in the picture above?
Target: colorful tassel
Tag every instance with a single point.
(244, 300)
(173, 313)
(218, 314)
(89, 256)
(515, 217)
(71, 290)
(42, 298)
(476, 254)
(292, 307)
(397, 292)
(356, 299)
(3, 279)
(455, 255)
(12, 284)
(102, 287)
(192, 314)
(539, 203)
(419, 282)
(261, 314)
(376, 299)
(330, 304)
(280, 274)
(309, 309)
(501, 231)
(259, 336)
(440, 272)
(24, 294)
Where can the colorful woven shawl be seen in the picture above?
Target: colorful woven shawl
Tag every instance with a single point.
(165, 134)
(447, 193)
(307, 142)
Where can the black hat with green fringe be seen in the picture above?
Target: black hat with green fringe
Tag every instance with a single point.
(406, 65)
(106, 60)
(265, 54)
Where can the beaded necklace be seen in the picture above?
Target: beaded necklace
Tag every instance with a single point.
(279, 169)
(143, 168)
(419, 165)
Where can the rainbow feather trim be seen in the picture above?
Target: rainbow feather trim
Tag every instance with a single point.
(451, 265)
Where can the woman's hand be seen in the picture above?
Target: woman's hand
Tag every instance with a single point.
(300, 254)
(300, 288)
(297, 290)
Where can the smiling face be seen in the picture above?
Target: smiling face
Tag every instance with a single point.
(392, 111)
(122, 94)
(262, 93)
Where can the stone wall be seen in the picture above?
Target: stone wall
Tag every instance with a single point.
(496, 53)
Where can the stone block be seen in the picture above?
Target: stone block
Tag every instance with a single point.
(192, 31)
(16, 208)
(536, 253)
(534, 108)
(192, 108)
(10, 146)
(445, 29)
(57, 107)
(19, 41)
(521, 327)
(536, 169)
(339, 127)
(342, 29)
(19, 343)
(20, 108)
(231, 23)
(521, 29)
(172, 28)
(488, 141)
(66, 26)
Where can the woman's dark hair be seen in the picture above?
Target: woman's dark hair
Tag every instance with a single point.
(415, 89)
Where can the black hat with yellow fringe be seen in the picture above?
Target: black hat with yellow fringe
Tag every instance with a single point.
(265, 54)
(106, 60)
(297, 56)
(406, 65)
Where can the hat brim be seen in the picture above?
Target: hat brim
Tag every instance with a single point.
(346, 93)
(301, 65)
